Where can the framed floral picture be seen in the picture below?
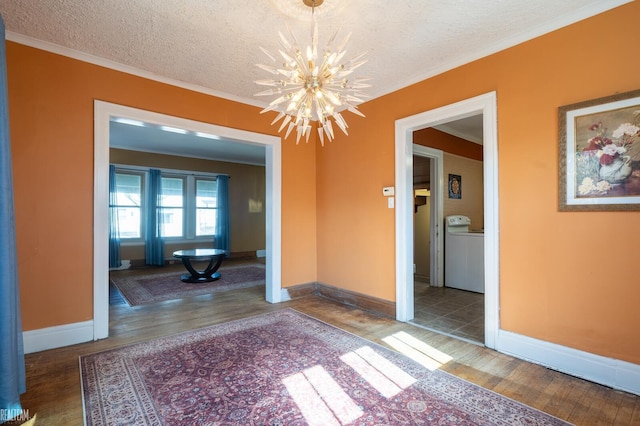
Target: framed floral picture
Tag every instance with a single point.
(600, 154)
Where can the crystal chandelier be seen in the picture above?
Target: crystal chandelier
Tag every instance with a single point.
(311, 87)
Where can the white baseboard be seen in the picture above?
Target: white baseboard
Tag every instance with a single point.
(284, 295)
(610, 372)
(57, 337)
(126, 264)
(261, 253)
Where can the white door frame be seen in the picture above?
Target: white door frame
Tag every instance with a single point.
(103, 112)
(436, 245)
(404, 148)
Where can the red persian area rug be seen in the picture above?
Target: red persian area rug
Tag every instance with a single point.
(282, 368)
(147, 289)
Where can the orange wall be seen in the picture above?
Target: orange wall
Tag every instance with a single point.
(51, 119)
(567, 278)
(462, 158)
(471, 204)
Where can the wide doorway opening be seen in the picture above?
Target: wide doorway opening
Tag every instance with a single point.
(103, 114)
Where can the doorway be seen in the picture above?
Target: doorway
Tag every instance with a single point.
(404, 149)
(103, 112)
(438, 306)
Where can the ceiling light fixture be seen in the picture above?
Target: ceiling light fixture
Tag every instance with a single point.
(311, 87)
(207, 135)
(128, 121)
(173, 130)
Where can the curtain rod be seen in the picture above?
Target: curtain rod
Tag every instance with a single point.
(164, 170)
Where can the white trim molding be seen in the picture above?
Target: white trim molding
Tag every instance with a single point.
(610, 372)
(103, 112)
(58, 336)
(436, 249)
(127, 69)
(486, 105)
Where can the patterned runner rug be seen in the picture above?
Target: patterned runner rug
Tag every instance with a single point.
(282, 368)
(143, 290)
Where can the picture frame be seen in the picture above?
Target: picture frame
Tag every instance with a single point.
(455, 186)
(599, 154)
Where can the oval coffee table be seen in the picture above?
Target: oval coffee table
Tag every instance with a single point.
(214, 256)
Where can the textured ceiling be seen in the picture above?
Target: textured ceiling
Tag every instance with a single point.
(212, 45)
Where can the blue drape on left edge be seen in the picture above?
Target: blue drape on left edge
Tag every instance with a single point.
(114, 229)
(222, 237)
(154, 241)
(12, 370)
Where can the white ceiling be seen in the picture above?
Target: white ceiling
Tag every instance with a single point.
(212, 45)
(152, 138)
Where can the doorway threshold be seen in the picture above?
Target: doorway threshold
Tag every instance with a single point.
(444, 333)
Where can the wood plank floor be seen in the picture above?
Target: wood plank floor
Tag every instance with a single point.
(53, 378)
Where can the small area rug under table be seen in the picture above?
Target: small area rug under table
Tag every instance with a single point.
(282, 368)
(160, 287)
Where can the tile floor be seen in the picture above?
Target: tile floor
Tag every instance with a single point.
(451, 311)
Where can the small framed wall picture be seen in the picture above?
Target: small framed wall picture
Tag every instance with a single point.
(455, 186)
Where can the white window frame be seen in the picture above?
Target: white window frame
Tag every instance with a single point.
(189, 204)
(192, 198)
(184, 234)
(143, 184)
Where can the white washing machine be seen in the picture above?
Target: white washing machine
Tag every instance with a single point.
(463, 255)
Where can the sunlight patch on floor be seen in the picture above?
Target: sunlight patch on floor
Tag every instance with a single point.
(374, 377)
(321, 400)
(417, 350)
(385, 367)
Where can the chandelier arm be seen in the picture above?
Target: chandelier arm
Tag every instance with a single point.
(321, 135)
(268, 68)
(340, 122)
(284, 43)
(298, 134)
(319, 109)
(332, 40)
(329, 127)
(356, 111)
(302, 64)
(266, 52)
(343, 43)
(287, 120)
(295, 43)
(289, 129)
(278, 117)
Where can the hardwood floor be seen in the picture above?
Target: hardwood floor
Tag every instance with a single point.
(53, 379)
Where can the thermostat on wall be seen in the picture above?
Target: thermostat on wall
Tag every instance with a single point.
(388, 191)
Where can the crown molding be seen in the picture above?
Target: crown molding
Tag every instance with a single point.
(107, 63)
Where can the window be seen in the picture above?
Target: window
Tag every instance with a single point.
(171, 204)
(187, 204)
(128, 204)
(206, 205)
